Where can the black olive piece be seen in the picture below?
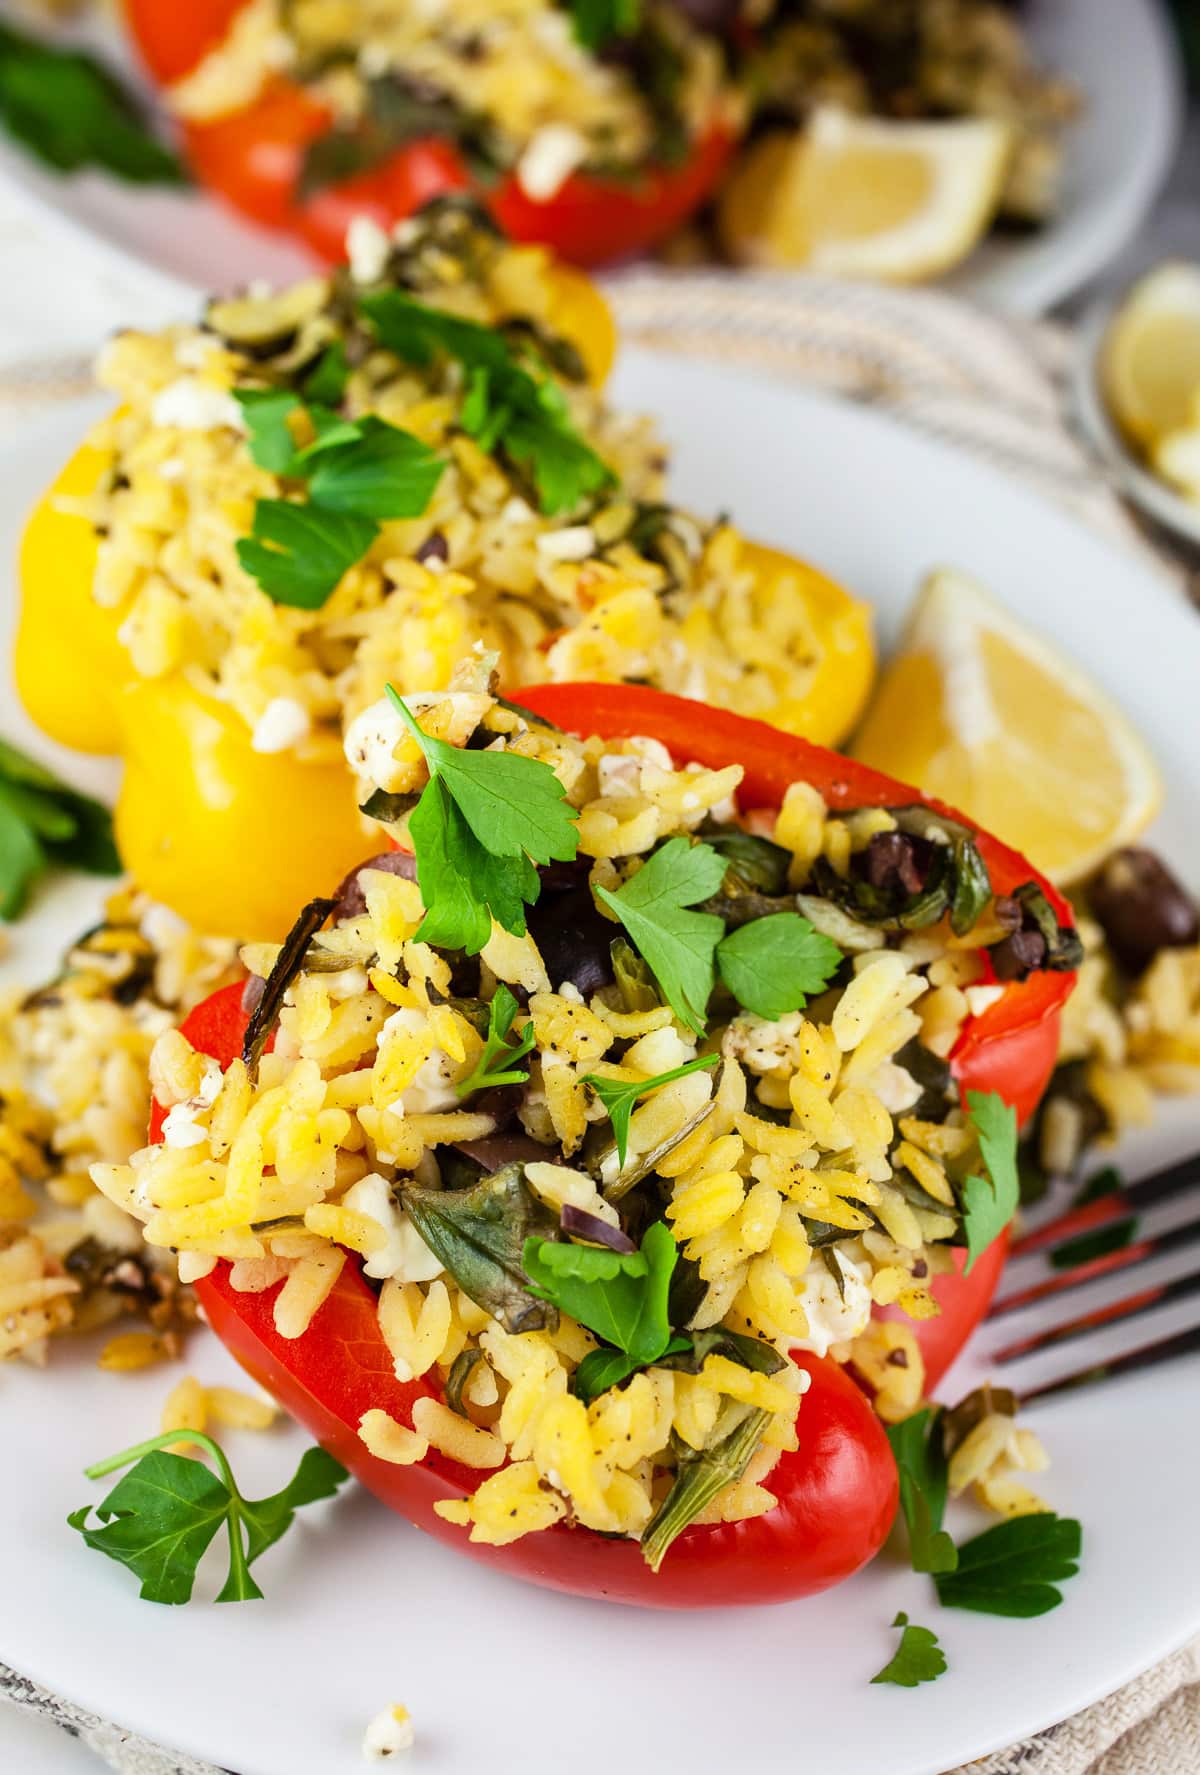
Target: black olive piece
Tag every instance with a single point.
(1019, 955)
(572, 937)
(434, 548)
(892, 858)
(349, 900)
(1141, 907)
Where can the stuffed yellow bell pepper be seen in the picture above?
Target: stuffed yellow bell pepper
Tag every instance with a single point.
(354, 482)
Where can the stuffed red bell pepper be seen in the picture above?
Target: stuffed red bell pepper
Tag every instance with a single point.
(559, 1171)
(596, 131)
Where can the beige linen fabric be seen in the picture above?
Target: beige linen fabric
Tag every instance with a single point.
(976, 379)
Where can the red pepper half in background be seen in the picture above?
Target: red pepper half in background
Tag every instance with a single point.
(252, 157)
(837, 1491)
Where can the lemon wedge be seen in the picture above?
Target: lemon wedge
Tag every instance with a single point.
(981, 711)
(863, 197)
(1150, 359)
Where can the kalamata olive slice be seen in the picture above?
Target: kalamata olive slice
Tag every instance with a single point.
(349, 901)
(1142, 907)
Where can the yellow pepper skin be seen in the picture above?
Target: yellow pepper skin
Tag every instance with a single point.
(231, 839)
(579, 312)
(835, 699)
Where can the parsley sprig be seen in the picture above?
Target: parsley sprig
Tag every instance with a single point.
(358, 473)
(71, 112)
(921, 1463)
(497, 1065)
(917, 1659)
(160, 1518)
(620, 1095)
(770, 965)
(596, 22)
(506, 407)
(483, 823)
(43, 823)
(990, 1202)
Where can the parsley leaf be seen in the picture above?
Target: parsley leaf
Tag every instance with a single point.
(621, 1296)
(482, 823)
(595, 22)
(921, 1463)
(265, 413)
(619, 1096)
(45, 823)
(918, 1657)
(383, 472)
(772, 965)
(298, 553)
(679, 945)
(326, 382)
(1014, 1569)
(71, 112)
(506, 406)
(990, 1202)
(501, 1012)
(160, 1518)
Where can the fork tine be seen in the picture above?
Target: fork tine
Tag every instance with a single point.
(1179, 1238)
(1132, 1307)
(1167, 1349)
(1131, 1198)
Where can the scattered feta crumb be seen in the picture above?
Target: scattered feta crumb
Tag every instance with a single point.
(982, 998)
(389, 1733)
(194, 350)
(548, 162)
(189, 404)
(367, 249)
(575, 543)
(516, 511)
(895, 1087)
(619, 774)
(832, 1318)
(432, 1087)
(406, 1256)
(284, 723)
(181, 1129)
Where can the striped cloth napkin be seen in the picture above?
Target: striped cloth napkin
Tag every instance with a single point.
(976, 379)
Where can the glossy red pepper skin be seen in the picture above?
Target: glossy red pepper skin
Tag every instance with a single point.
(252, 157)
(837, 1492)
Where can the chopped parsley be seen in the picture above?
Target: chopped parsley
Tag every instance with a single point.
(596, 22)
(497, 1064)
(358, 474)
(620, 1095)
(71, 112)
(990, 1202)
(507, 407)
(160, 1518)
(483, 823)
(773, 965)
(1015, 1568)
(918, 1658)
(921, 1463)
(621, 1296)
(43, 823)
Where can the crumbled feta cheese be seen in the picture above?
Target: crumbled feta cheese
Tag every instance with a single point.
(189, 404)
(181, 1129)
(575, 543)
(374, 734)
(388, 1734)
(432, 1089)
(570, 992)
(516, 511)
(194, 350)
(283, 724)
(763, 1045)
(982, 998)
(619, 774)
(895, 1087)
(548, 162)
(367, 249)
(832, 1319)
(210, 1085)
(406, 1256)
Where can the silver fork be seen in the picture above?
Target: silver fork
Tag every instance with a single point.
(1122, 1204)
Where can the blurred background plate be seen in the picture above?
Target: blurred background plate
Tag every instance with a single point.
(1122, 54)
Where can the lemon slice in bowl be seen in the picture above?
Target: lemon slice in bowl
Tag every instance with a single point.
(983, 712)
(1150, 358)
(864, 197)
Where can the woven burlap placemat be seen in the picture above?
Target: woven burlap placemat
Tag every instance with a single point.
(992, 385)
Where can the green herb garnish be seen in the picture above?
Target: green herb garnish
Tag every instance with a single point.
(44, 824)
(596, 22)
(1015, 1568)
(990, 1202)
(479, 1234)
(922, 1466)
(678, 944)
(485, 1073)
(507, 407)
(699, 1475)
(359, 473)
(71, 113)
(775, 964)
(484, 820)
(621, 1296)
(918, 1658)
(160, 1518)
(619, 1096)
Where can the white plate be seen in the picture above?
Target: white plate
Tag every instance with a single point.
(361, 1610)
(1119, 51)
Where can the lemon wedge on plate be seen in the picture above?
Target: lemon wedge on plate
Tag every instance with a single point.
(1150, 358)
(864, 197)
(983, 712)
